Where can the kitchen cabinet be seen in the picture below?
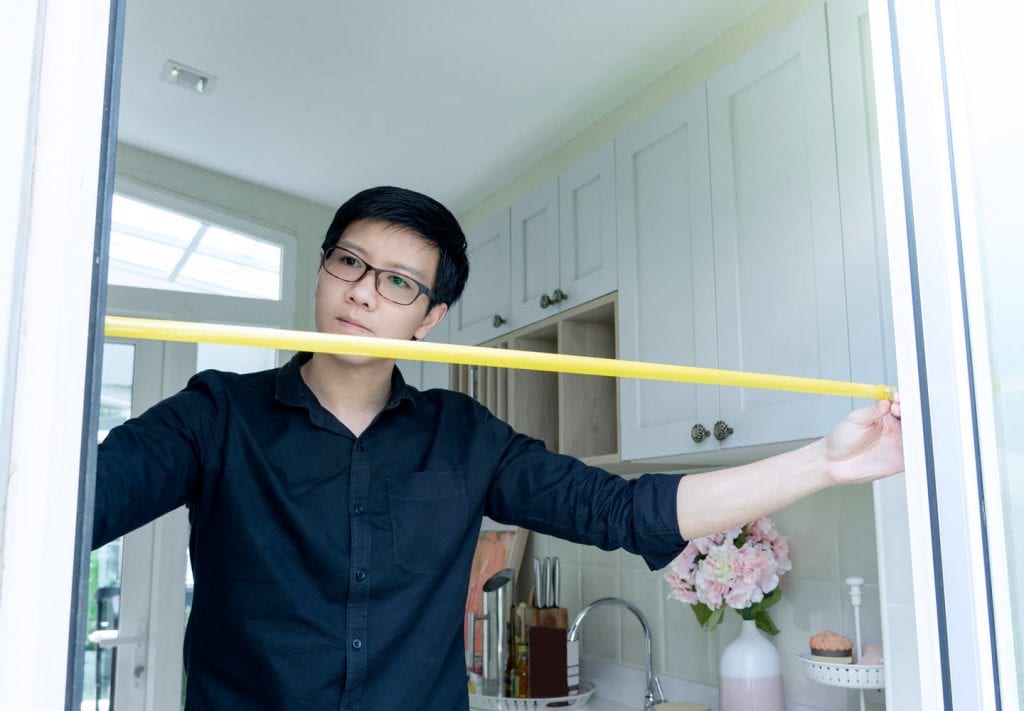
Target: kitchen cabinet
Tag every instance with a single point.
(483, 311)
(572, 414)
(666, 275)
(872, 350)
(780, 291)
(731, 251)
(563, 242)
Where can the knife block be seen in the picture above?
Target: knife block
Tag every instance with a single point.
(553, 617)
(548, 664)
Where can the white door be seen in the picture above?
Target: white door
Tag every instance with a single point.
(141, 588)
(781, 302)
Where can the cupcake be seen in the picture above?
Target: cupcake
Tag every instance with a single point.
(831, 648)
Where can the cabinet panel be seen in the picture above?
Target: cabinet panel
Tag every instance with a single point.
(778, 245)
(872, 352)
(666, 275)
(535, 253)
(486, 294)
(588, 259)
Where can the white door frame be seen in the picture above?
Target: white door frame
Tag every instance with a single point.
(919, 103)
(51, 130)
(55, 51)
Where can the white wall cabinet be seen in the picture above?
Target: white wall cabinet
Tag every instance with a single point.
(731, 251)
(563, 251)
(483, 311)
(666, 276)
(780, 295)
(872, 351)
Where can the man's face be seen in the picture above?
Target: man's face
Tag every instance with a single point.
(356, 308)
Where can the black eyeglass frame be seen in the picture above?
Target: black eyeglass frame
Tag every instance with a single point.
(377, 273)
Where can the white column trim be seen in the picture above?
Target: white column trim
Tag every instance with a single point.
(48, 212)
(951, 611)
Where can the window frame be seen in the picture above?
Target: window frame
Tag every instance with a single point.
(172, 304)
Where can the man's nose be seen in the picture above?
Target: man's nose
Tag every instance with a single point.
(364, 289)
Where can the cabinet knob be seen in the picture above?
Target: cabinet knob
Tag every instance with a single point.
(557, 297)
(497, 321)
(722, 430)
(699, 433)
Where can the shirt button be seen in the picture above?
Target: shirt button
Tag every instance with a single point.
(357, 643)
(357, 509)
(360, 575)
(359, 446)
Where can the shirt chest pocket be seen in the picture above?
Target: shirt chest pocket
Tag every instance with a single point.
(429, 518)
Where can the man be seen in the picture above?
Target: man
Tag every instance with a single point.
(335, 510)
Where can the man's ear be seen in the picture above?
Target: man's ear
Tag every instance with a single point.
(433, 317)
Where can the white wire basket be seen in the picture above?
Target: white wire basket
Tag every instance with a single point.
(497, 703)
(849, 676)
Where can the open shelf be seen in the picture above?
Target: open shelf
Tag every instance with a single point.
(571, 414)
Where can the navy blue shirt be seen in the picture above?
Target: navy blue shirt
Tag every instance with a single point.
(331, 570)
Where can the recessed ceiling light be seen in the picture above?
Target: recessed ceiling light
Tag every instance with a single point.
(187, 78)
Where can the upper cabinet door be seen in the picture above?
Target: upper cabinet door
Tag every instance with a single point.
(872, 351)
(778, 246)
(666, 276)
(586, 193)
(483, 311)
(534, 266)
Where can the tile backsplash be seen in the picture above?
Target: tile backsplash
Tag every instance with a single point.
(831, 536)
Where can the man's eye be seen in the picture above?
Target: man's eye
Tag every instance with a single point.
(350, 261)
(399, 281)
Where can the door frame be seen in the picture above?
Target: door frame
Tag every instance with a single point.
(63, 45)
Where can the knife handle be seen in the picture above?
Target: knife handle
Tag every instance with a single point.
(556, 581)
(537, 592)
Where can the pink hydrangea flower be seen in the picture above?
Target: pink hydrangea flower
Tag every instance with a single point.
(712, 570)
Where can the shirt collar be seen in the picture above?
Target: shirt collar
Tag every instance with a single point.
(292, 389)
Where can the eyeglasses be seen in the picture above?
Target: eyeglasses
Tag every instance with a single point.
(399, 288)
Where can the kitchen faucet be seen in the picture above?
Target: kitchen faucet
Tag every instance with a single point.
(653, 695)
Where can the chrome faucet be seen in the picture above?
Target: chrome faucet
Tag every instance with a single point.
(653, 695)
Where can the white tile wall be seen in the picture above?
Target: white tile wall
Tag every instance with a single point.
(831, 537)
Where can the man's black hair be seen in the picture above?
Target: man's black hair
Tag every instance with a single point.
(421, 214)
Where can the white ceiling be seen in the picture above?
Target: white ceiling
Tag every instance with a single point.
(321, 98)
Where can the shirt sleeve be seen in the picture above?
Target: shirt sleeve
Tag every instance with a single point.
(151, 464)
(558, 495)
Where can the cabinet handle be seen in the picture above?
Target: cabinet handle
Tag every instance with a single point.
(699, 433)
(722, 430)
(557, 297)
(497, 321)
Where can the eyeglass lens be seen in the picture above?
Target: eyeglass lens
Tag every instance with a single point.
(391, 285)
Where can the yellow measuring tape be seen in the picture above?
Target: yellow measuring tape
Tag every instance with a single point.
(189, 332)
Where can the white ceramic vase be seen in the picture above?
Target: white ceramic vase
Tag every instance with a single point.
(750, 673)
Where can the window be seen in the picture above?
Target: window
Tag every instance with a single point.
(157, 248)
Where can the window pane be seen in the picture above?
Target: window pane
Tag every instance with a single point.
(223, 276)
(154, 248)
(143, 256)
(137, 216)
